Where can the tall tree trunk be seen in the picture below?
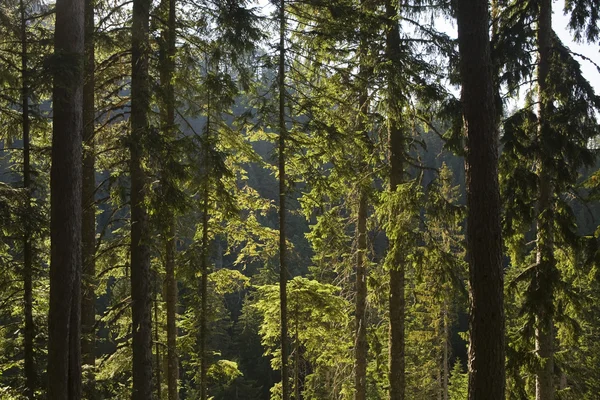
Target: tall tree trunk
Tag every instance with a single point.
(544, 330)
(361, 350)
(397, 304)
(64, 320)
(140, 235)
(157, 338)
(361, 346)
(88, 234)
(169, 129)
(204, 279)
(484, 242)
(29, 329)
(205, 247)
(446, 350)
(283, 269)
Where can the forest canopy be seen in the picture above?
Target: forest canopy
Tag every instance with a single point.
(285, 199)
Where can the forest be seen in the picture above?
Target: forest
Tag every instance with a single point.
(299, 199)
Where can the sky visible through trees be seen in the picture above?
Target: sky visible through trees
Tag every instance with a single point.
(299, 199)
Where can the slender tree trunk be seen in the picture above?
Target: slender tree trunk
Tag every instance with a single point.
(29, 329)
(397, 304)
(204, 280)
(446, 351)
(140, 235)
(157, 339)
(361, 351)
(64, 320)
(171, 289)
(484, 242)
(297, 388)
(283, 270)
(544, 330)
(88, 234)
(361, 346)
(167, 71)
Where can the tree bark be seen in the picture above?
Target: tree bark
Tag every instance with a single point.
(484, 243)
(397, 304)
(361, 346)
(64, 320)
(167, 71)
(88, 234)
(140, 235)
(283, 270)
(546, 264)
(29, 328)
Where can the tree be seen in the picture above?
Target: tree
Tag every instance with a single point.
(283, 270)
(484, 245)
(88, 197)
(64, 320)
(140, 233)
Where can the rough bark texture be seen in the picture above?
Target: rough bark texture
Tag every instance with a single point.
(484, 244)
(361, 347)
(397, 304)
(88, 234)
(29, 328)
(546, 264)
(64, 320)
(283, 270)
(140, 237)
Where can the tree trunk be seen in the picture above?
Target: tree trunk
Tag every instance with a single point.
(362, 346)
(283, 270)
(204, 279)
(204, 261)
(484, 242)
(446, 351)
(546, 264)
(397, 305)
(169, 129)
(88, 234)
(157, 338)
(140, 235)
(64, 320)
(29, 328)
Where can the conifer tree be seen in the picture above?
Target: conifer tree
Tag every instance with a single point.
(484, 246)
(88, 233)
(64, 320)
(140, 232)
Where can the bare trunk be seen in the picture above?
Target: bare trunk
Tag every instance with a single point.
(64, 320)
(88, 233)
(446, 352)
(397, 304)
(29, 328)
(157, 341)
(204, 283)
(171, 289)
(361, 346)
(283, 270)
(544, 330)
(484, 242)
(167, 60)
(140, 235)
